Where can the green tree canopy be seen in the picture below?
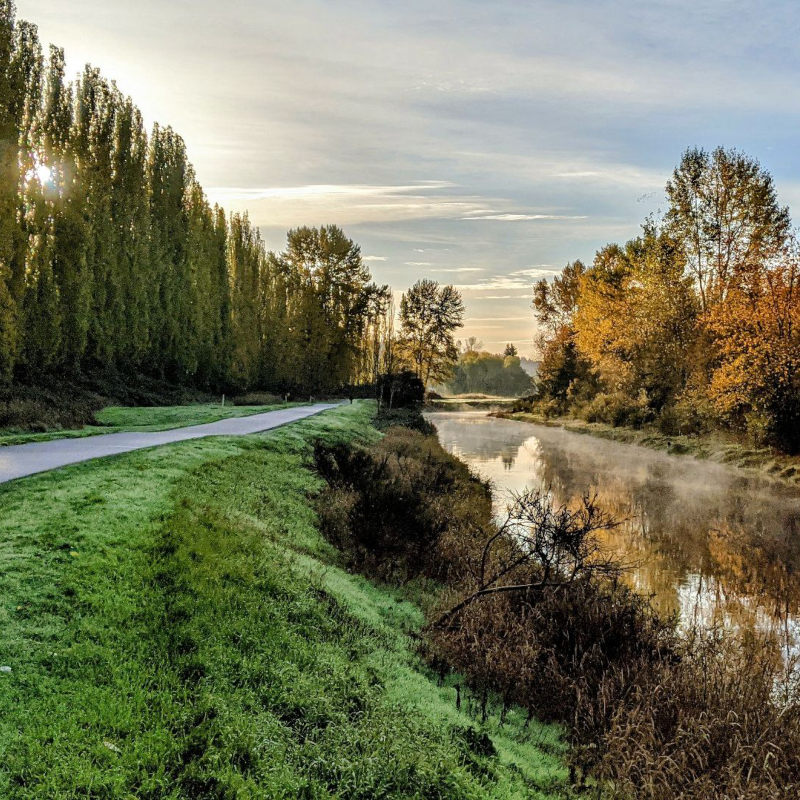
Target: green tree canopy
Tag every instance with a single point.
(429, 315)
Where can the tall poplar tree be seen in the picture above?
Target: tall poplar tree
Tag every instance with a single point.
(9, 180)
(113, 263)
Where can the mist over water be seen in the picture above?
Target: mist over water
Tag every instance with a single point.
(715, 545)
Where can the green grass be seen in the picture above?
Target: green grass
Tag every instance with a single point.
(115, 419)
(176, 627)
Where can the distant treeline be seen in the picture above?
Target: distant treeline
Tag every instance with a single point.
(478, 371)
(693, 325)
(112, 261)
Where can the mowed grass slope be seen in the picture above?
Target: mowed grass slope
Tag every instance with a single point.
(177, 628)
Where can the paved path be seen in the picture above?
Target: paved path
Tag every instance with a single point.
(17, 461)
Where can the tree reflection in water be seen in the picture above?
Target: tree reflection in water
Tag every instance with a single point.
(716, 546)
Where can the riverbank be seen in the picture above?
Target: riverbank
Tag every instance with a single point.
(652, 665)
(175, 625)
(714, 447)
(466, 402)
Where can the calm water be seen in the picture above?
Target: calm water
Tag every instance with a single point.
(714, 544)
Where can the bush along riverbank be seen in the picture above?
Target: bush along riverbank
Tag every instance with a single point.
(525, 616)
(175, 626)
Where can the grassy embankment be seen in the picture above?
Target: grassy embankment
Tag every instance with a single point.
(177, 627)
(713, 447)
(115, 419)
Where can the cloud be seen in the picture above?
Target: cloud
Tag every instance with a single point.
(325, 190)
(499, 324)
(497, 282)
(517, 279)
(348, 204)
(374, 258)
(537, 271)
(496, 319)
(612, 173)
(525, 217)
(460, 269)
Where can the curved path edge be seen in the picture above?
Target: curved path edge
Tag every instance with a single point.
(22, 460)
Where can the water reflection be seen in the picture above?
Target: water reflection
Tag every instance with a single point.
(715, 545)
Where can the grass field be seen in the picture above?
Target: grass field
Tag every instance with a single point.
(176, 627)
(115, 419)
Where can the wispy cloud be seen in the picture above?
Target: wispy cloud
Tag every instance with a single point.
(523, 217)
(325, 190)
(349, 204)
(460, 269)
(498, 319)
(516, 279)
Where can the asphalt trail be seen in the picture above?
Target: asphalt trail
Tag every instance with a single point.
(21, 460)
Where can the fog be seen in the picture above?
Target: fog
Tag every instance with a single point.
(713, 544)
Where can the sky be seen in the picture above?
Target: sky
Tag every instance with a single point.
(478, 143)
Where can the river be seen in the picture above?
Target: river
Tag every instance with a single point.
(716, 545)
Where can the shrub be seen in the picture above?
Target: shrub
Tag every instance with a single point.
(34, 409)
(405, 418)
(694, 413)
(400, 389)
(617, 409)
(256, 399)
(525, 404)
(669, 422)
(391, 506)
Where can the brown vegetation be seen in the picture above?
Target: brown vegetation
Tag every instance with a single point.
(530, 612)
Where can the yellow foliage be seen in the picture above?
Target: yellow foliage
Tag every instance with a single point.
(757, 329)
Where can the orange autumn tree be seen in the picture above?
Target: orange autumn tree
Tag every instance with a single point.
(757, 329)
(694, 324)
(636, 319)
(563, 373)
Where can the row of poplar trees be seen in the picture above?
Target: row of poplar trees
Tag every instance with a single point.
(112, 261)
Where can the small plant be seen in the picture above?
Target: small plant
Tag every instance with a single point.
(535, 547)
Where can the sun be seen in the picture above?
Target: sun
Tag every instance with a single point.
(44, 174)
(39, 172)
